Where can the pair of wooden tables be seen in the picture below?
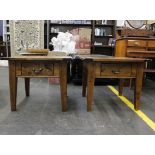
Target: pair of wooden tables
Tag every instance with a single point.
(94, 66)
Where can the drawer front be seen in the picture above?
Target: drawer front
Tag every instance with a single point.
(136, 43)
(116, 70)
(136, 49)
(37, 69)
(151, 43)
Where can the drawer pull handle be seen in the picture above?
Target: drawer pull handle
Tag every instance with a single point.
(115, 72)
(37, 70)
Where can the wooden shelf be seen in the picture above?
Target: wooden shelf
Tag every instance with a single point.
(102, 25)
(149, 70)
(56, 24)
(104, 29)
(102, 46)
(53, 33)
(104, 36)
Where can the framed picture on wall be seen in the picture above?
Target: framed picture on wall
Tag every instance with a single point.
(26, 34)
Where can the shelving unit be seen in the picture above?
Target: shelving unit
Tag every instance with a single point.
(103, 36)
(65, 24)
(46, 34)
(6, 35)
(6, 31)
(55, 26)
(106, 48)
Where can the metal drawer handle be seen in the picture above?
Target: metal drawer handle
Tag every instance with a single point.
(115, 72)
(35, 70)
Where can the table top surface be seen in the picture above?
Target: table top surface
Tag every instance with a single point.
(58, 58)
(91, 57)
(104, 58)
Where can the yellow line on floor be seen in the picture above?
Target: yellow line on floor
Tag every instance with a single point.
(143, 116)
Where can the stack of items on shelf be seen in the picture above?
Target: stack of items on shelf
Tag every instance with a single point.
(111, 42)
(71, 21)
(100, 32)
(54, 30)
(98, 43)
(101, 22)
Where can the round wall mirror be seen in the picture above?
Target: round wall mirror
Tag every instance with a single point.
(136, 24)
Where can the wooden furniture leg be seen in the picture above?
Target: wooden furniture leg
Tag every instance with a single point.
(138, 86)
(84, 80)
(63, 85)
(27, 86)
(13, 84)
(90, 85)
(121, 84)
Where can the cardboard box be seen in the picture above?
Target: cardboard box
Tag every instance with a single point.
(82, 37)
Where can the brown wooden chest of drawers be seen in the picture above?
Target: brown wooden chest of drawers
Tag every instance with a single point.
(138, 47)
(130, 44)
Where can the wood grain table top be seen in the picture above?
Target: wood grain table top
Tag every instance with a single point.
(91, 57)
(57, 58)
(105, 58)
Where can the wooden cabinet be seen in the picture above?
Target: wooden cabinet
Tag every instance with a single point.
(125, 46)
(137, 47)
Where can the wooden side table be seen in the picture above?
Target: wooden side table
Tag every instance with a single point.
(37, 66)
(99, 66)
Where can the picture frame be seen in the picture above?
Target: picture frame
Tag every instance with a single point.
(26, 34)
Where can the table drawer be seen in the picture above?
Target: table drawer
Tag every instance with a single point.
(116, 70)
(37, 69)
(136, 43)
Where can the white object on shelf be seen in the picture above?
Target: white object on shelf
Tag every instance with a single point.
(104, 22)
(64, 42)
(97, 32)
(97, 43)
